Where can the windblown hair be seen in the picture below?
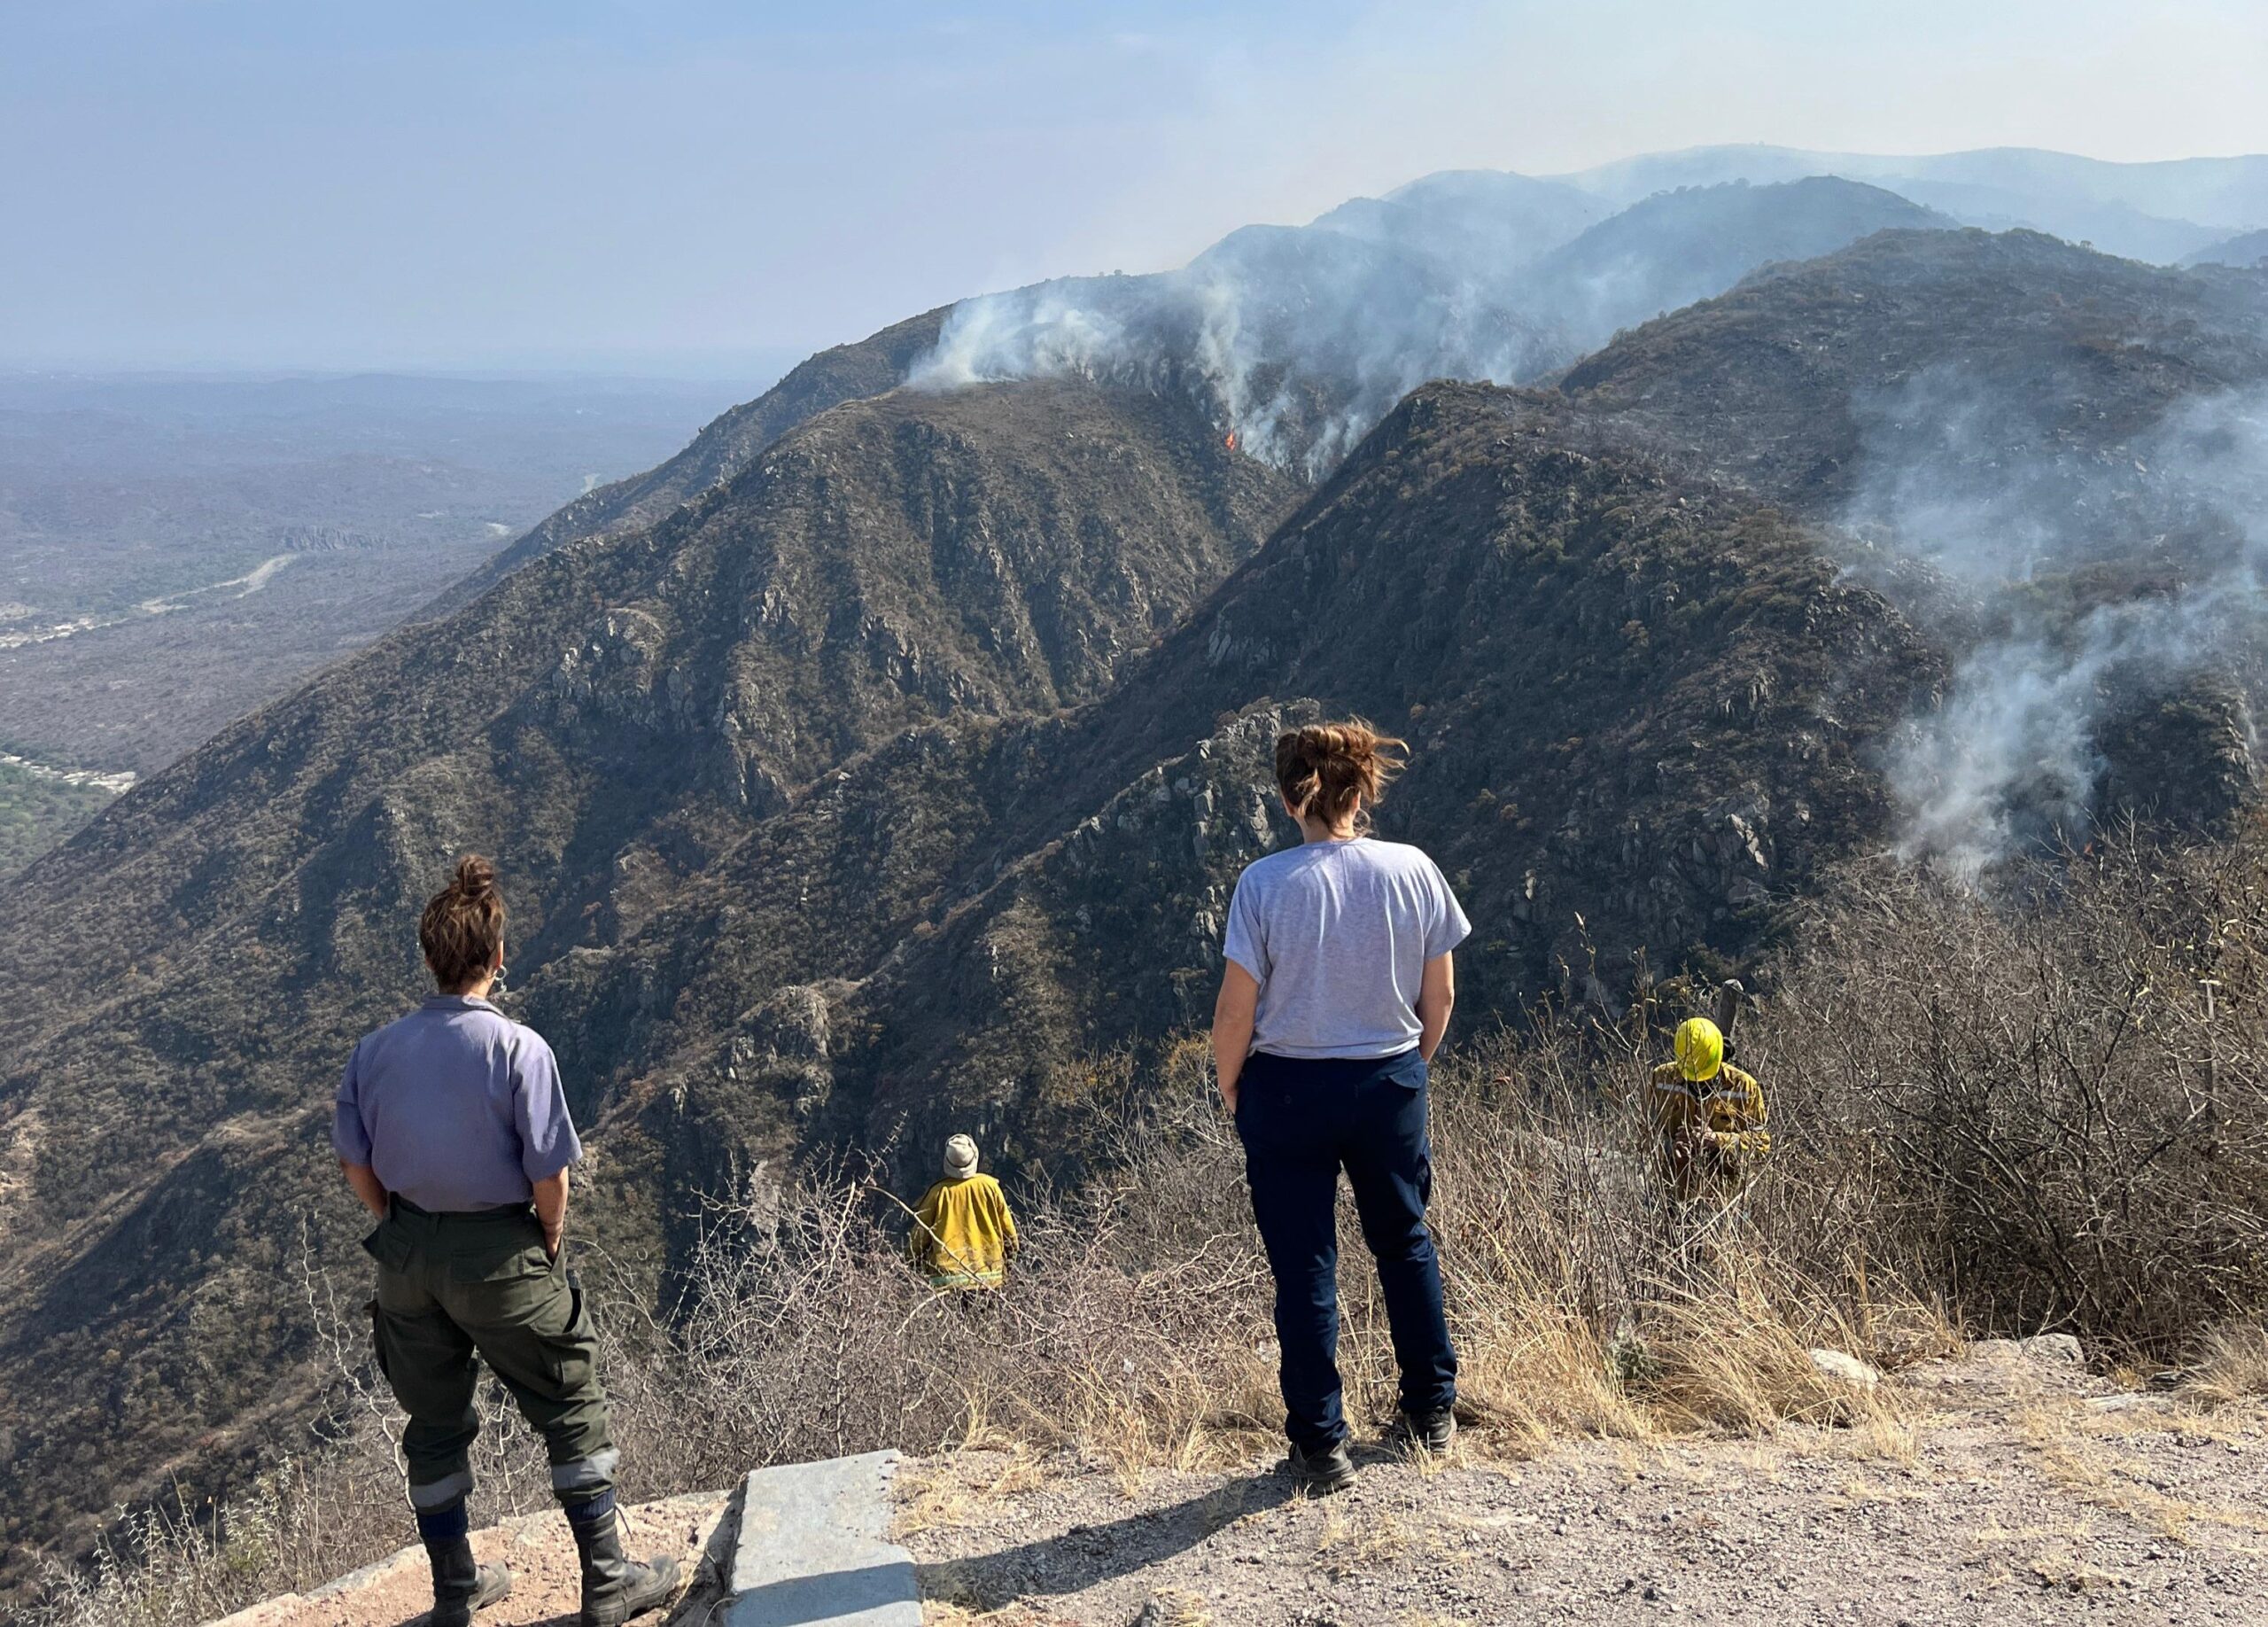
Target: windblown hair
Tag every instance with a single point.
(463, 926)
(1328, 771)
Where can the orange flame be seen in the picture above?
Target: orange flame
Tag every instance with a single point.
(1233, 440)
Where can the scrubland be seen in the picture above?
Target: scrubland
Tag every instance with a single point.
(2038, 1108)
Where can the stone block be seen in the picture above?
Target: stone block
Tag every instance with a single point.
(814, 1549)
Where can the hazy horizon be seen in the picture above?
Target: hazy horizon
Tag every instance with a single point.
(691, 368)
(691, 191)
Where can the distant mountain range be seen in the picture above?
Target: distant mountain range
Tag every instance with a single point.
(881, 764)
(2157, 212)
(2247, 248)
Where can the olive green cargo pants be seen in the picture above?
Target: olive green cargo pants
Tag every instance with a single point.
(454, 1285)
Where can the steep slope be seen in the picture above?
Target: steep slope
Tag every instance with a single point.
(2055, 461)
(1639, 709)
(1675, 248)
(1796, 383)
(853, 372)
(185, 973)
(1642, 709)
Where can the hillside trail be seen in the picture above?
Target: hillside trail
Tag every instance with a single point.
(2008, 1488)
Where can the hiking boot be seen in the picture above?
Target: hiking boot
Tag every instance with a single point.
(614, 1588)
(461, 1586)
(1325, 1471)
(1433, 1431)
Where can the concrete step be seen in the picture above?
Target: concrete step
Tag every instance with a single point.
(814, 1548)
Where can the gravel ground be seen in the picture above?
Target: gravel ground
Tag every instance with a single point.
(2008, 1489)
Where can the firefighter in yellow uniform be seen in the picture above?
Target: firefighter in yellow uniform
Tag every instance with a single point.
(1711, 1116)
(963, 1233)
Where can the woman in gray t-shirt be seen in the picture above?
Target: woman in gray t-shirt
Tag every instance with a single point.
(1338, 988)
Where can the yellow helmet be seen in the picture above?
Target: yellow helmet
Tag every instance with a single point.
(1700, 1048)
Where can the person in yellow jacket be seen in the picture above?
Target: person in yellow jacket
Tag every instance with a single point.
(1711, 1116)
(963, 1233)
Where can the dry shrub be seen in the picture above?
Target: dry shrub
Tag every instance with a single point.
(159, 1567)
(2054, 1094)
(805, 1334)
(1135, 1325)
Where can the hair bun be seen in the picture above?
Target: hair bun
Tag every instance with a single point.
(1351, 744)
(462, 929)
(1320, 743)
(1331, 769)
(476, 876)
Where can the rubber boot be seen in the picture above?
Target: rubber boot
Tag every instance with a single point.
(615, 1589)
(461, 1586)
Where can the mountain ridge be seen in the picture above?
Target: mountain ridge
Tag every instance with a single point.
(1001, 667)
(725, 447)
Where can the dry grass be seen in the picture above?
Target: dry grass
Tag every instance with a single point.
(965, 1487)
(2230, 1366)
(2049, 1110)
(1178, 1608)
(2079, 1452)
(1135, 1330)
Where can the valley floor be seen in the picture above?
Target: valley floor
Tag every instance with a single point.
(133, 691)
(2003, 1490)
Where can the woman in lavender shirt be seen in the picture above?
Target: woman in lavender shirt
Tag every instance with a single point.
(1338, 989)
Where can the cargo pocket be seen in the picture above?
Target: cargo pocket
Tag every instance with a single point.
(570, 1355)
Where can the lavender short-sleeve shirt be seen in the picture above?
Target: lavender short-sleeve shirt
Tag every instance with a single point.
(455, 1107)
(1337, 934)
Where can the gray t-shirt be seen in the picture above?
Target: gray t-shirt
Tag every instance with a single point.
(455, 1107)
(1337, 934)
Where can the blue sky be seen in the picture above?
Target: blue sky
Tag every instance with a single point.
(503, 184)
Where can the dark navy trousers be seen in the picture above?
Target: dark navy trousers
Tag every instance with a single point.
(1301, 1122)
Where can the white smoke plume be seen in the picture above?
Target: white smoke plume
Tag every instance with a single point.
(1301, 339)
(2085, 582)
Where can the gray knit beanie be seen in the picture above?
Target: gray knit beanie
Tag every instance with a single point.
(960, 1157)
